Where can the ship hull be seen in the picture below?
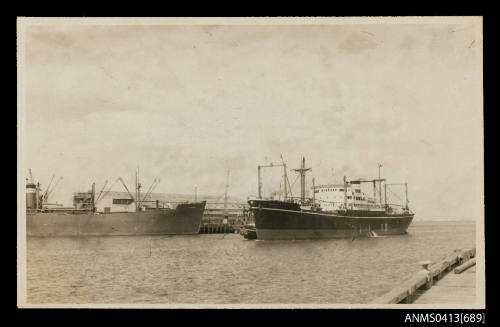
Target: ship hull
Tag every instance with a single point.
(281, 224)
(185, 219)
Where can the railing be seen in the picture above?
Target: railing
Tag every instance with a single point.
(310, 201)
(68, 210)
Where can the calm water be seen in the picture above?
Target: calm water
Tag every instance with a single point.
(220, 268)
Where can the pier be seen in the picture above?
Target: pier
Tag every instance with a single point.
(450, 280)
(217, 228)
(223, 221)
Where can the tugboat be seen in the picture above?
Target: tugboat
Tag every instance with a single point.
(334, 211)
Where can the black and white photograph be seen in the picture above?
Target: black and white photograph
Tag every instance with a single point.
(319, 162)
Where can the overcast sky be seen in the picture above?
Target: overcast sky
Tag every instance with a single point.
(185, 103)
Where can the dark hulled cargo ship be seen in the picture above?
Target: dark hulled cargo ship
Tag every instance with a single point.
(334, 211)
(277, 220)
(85, 220)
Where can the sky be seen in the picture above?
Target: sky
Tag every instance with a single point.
(185, 103)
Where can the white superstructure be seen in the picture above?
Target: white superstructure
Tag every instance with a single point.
(339, 196)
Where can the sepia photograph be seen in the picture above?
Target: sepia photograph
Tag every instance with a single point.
(319, 162)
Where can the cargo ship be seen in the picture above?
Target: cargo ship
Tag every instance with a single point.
(130, 215)
(334, 211)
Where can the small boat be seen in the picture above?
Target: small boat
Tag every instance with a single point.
(249, 232)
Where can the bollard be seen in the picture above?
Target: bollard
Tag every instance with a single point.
(430, 280)
(425, 264)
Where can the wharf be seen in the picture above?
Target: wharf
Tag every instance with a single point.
(218, 228)
(451, 280)
(453, 289)
(216, 220)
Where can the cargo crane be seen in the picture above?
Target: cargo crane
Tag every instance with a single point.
(380, 180)
(406, 194)
(35, 200)
(374, 181)
(285, 178)
(102, 195)
(48, 191)
(125, 185)
(155, 183)
(48, 187)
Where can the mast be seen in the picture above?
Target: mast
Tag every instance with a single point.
(37, 194)
(379, 185)
(302, 171)
(225, 194)
(93, 197)
(385, 195)
(259, 182)
(374, 189)
(31, 180)
(406, 193)
(345, 193)
(285, 178)
(284, 182)
(314, 192)
(136, 187)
